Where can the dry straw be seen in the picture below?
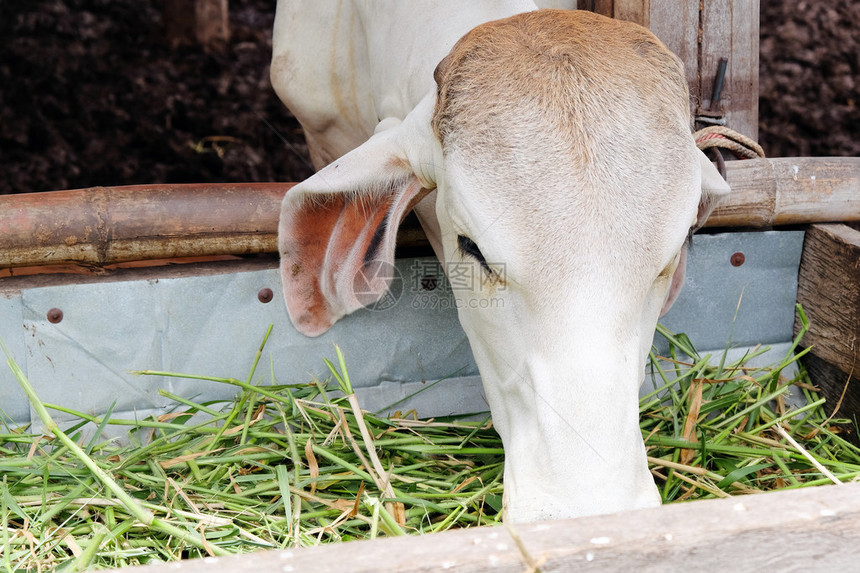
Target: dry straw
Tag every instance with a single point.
(301, 464)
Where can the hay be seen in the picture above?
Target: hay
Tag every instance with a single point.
(302, 464)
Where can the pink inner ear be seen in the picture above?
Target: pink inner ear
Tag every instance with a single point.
(326, 267)
(677, 282)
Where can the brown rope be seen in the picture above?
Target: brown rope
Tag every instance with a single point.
(718, 136)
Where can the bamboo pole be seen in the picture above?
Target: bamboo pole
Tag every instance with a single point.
(790, 191)
(107, 225)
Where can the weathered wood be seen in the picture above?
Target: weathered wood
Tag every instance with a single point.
(202, 21)
(731, 31)
(105, 225)
(828, 288)
(631, 10)
(788, 191)
(213, 21)
(677, 26)
(841, 390)
(638, 11)
(801, 530)
(94, 228)
(602, 7)
(700, 33)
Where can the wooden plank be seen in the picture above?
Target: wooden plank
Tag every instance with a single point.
(203, 21)
(603, 7)
(716, 43)
(829, 290)
(811, 529)
(213, 21)
(743, 81)
(95, 228)
(730, 29)
(631, 10)
(700, 33)
(638, 11)
(677, 26)
(841, 390)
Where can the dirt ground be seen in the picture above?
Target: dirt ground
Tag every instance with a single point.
(809, 78)
(90, 94)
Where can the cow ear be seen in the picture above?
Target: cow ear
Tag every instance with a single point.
(714, 189)
(338, 228)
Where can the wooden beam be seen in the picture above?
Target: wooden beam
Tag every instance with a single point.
(638, 11)
(212, 21)
(107, 225)
(202, 21)
(632, 10)
(828, 288)
(790, 191)
(841, 390)
(730, 29)
(829, 291)
(810, 529)
(700, 33)
(602, 7)
(677, 26)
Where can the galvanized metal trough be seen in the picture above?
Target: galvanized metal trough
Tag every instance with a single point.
(96, 283)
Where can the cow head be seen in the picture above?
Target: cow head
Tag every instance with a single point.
(566, 183)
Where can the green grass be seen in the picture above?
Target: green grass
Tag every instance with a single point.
(716, 431)
(287, 465)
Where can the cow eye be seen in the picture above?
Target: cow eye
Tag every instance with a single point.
(468, 248)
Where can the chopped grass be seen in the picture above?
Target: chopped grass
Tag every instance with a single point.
(302, 464)
(716, 431)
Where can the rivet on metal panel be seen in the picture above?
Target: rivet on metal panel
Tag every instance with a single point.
(737, 259)
(265, 295)
(55, 315)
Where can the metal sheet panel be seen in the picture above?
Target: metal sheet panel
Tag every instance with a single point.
(13, 401)
(213, 325)
(742, 305)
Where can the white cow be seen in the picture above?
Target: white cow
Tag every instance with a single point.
(553, 155)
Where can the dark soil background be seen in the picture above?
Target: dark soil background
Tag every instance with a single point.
(91, 94)
(809, 78)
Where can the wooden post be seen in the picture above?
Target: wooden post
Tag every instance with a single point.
(212, 21)
(730, 29)
(700, 33)
(829, 291)
(632, 10)
(202, 21)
